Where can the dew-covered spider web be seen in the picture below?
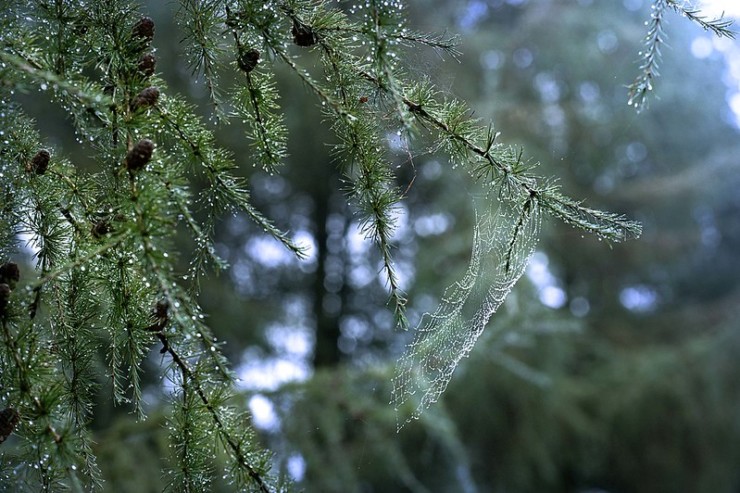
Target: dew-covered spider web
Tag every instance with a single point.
(503, 242)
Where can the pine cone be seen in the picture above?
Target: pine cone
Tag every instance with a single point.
(39, 162)
(161, 309)
(9, 418)
(10, 274)
(160, 317)
(144, 29)
(147, 63)
(303, 35)
(139, 155)
(100, 229)
(248, 59)
(147, 97)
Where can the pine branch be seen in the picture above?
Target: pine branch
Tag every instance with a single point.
(233, 444)
(651, 55)
(441, 42)
(508, 165)
(80, 261)
(269, 143)
(374, 192)
(719, 26)
(201, 22)
(505, 166)
(605, 225)
(385, 16)
(226, 189)
(80, 94)
(315, 87)
(257, 104)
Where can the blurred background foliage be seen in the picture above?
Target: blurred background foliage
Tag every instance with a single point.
(610, 367)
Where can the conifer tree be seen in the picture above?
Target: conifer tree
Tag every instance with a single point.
(105, 288)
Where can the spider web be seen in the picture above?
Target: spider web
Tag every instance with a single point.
(503, 242)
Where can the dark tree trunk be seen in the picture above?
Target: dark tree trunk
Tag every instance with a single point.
(326, 350)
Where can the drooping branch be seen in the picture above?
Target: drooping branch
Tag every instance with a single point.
(655, 40)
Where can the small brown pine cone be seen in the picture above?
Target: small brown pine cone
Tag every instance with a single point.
(147, 97)
(144, 29)
(248, 59)
(147, 64)
(100, 229)
(10, 274)
(303, 35)
(139, 155)
(9, 419)
(161, 309)
(39, 162)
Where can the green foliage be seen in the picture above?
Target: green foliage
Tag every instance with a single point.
(108, 290)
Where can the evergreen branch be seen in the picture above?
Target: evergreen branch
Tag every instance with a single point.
(379, 226)
(374, 190)
(339, 71)
(273, 157)
(193, 450)
(447, 44)
(231, 193)
(20, 365)
(493, 162)
(51, 236)
(80, 261)
(451, 128)
(157, 264)
(383, 13)
(75, 343)
(76, 346)
(377, 202)
(84, 94)
(375, 195)
(227, 187)
(127, 343)
(183, 317)
(719, 26)
(651, 57)
(256, 105)
(199, 19)
(234, 445)
(605, 225)
(325, 98)
(37, 395)
(66, 21)
(76, 192)
(207, 247)
(509, 166)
